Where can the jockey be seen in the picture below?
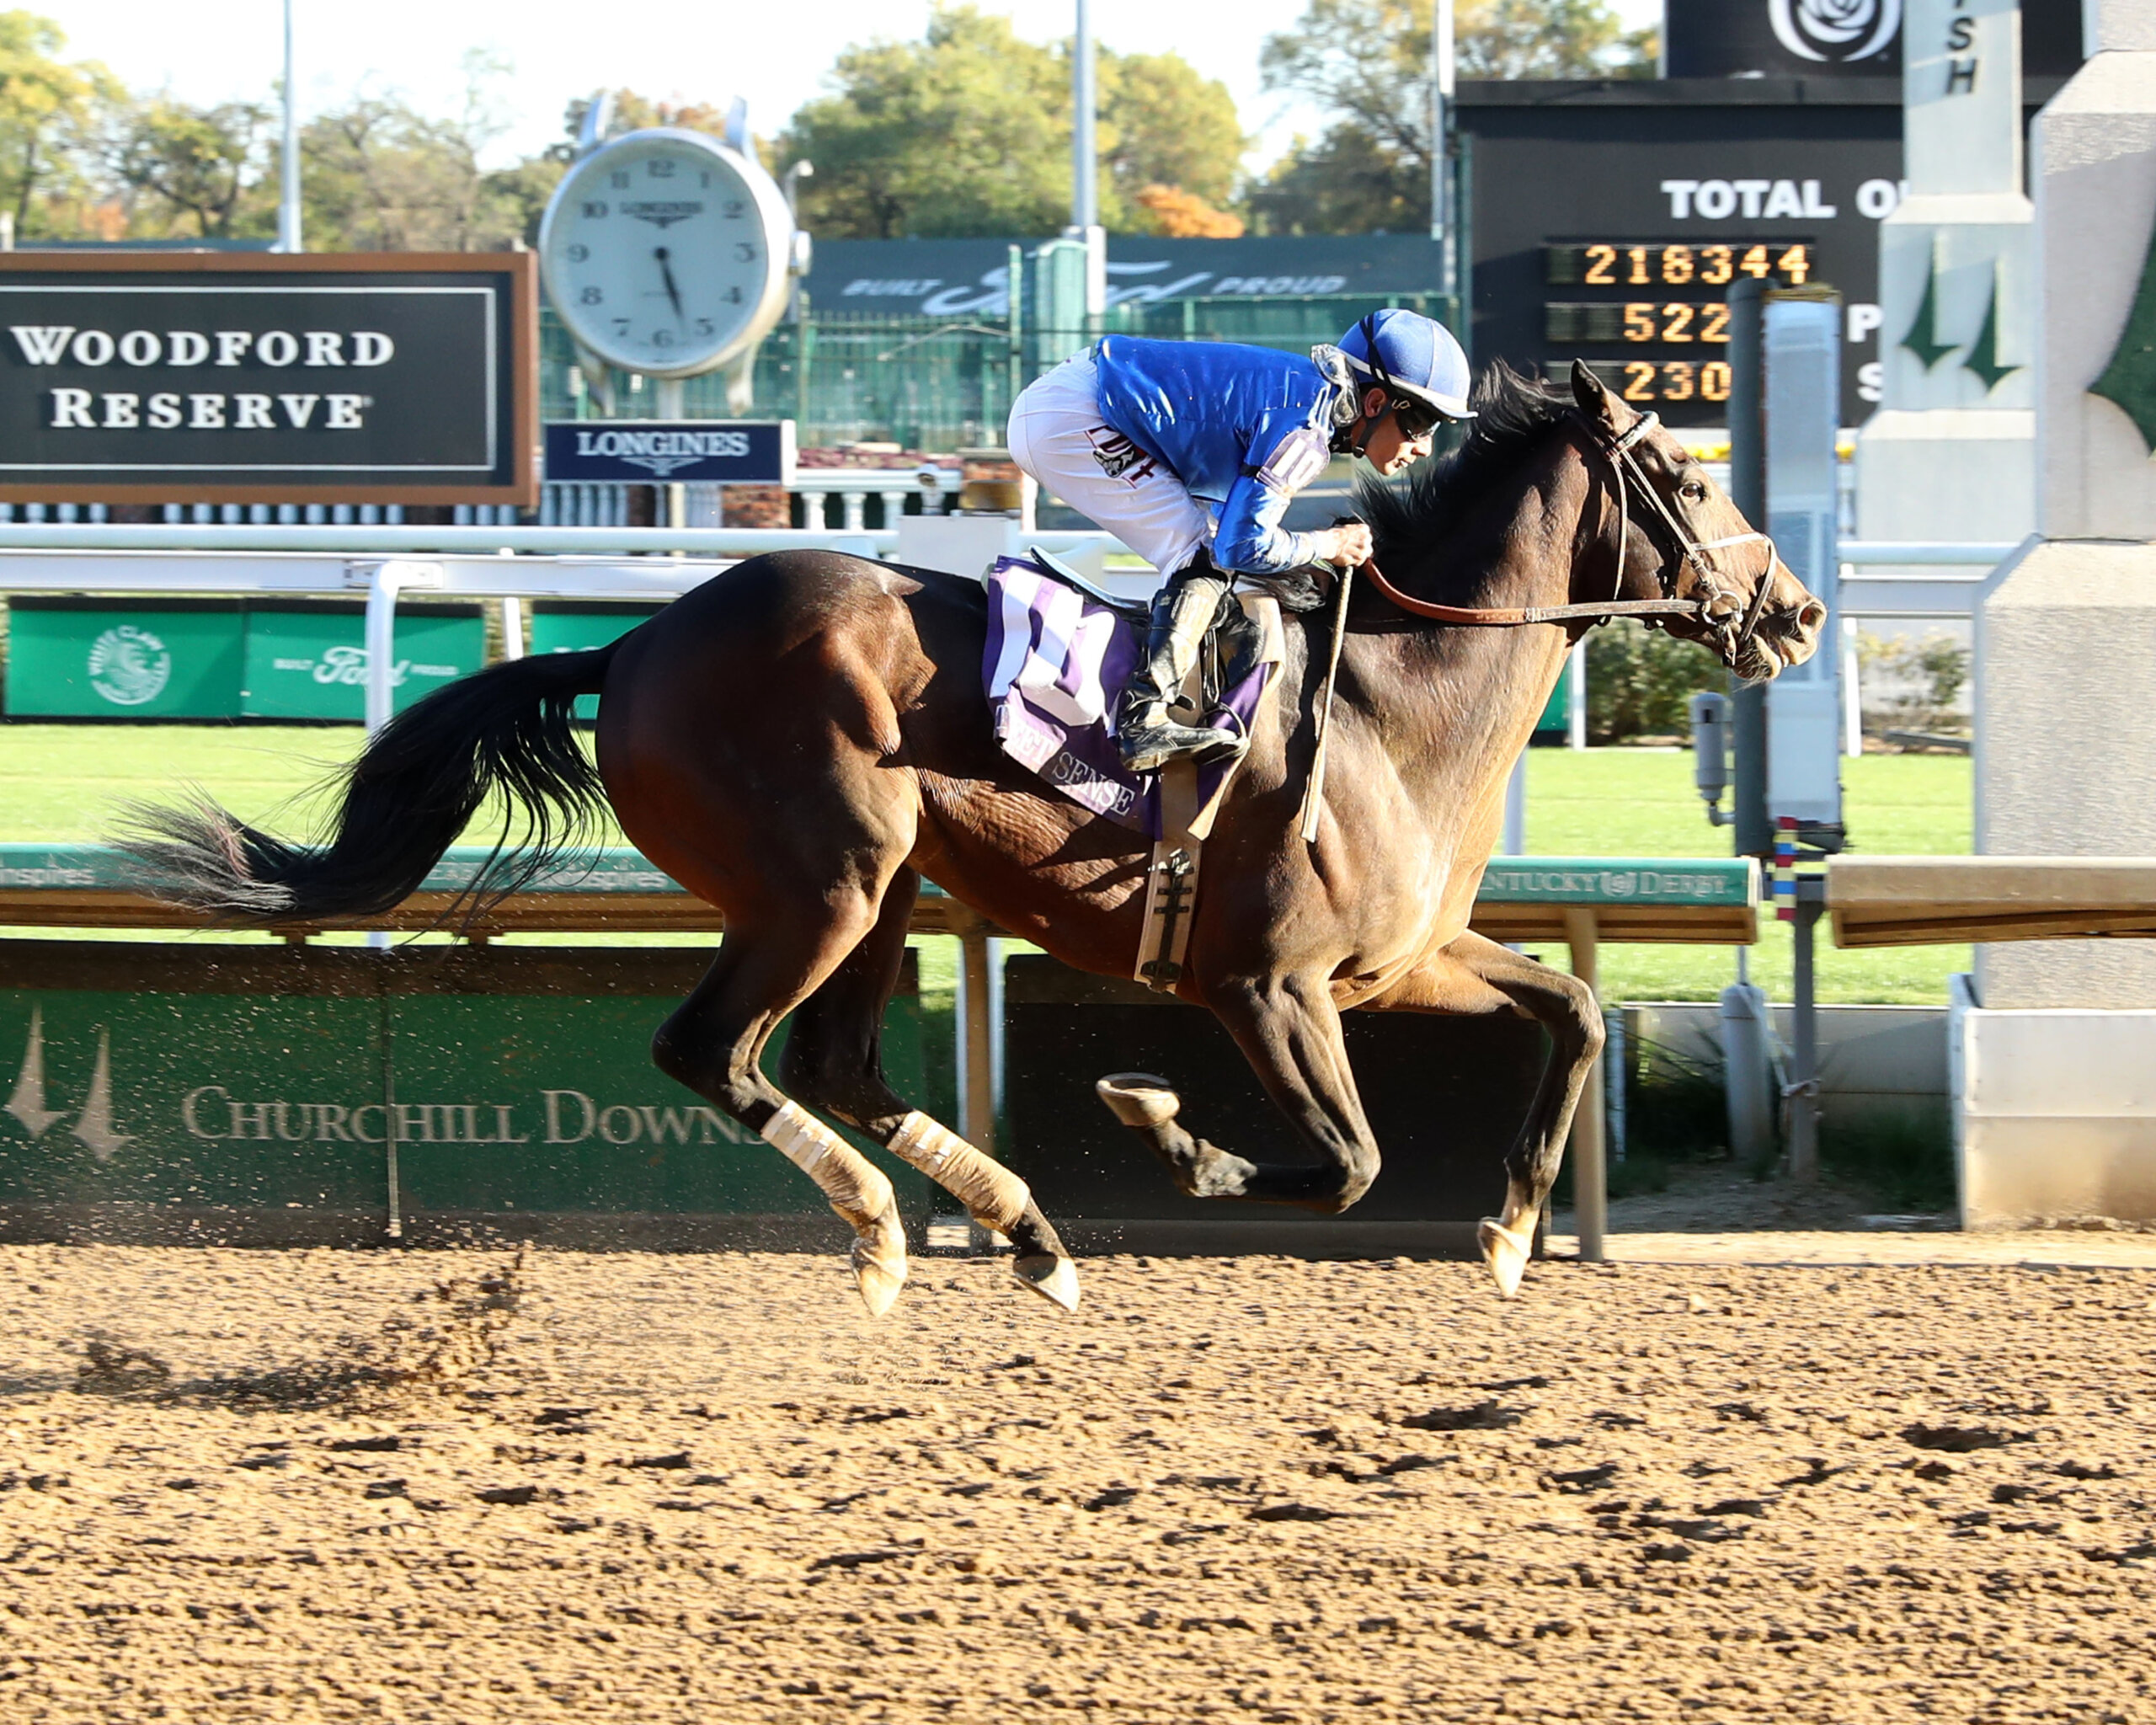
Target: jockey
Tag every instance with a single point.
(1189, 453)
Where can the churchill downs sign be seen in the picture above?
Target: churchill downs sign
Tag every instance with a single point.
(225, 377)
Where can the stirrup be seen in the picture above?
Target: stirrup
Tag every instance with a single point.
(1144, 748)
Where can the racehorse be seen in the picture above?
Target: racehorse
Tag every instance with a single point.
(803, 738)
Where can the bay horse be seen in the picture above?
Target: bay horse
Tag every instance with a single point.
(802, 739)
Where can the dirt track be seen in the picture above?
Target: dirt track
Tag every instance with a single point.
(704, 1488)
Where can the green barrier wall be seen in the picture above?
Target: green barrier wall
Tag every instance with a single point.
(566, 627)
(1558, 715)
(124, 659)
(311, 662)
(258, 1093)
(230, 658)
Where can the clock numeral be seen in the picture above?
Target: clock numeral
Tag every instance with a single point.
(745, 251)
(662, 337)
(703, 179)
(660, 168)
(579, 254)
(621, 326)
(594, 209)
(733, 209)
(734, 296)
(706, 327)
(619, 179)
(590, 297)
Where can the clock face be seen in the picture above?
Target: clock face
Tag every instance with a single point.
(665, 253)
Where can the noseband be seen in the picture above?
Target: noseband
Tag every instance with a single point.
(1625, 467)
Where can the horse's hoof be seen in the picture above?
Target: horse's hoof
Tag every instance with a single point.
(1505, 1251)
(1056, 1280)
(879, 1262)
(1138, 1098)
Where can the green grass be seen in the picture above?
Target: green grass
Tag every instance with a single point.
(1640, 803)
(64, 782)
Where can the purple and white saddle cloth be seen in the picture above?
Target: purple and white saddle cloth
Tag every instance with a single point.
(1054, 667)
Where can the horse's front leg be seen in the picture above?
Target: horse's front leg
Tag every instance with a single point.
(1288, 1030)
(1472, 976)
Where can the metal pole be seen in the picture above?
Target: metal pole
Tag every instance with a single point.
(1804, 1076)
(1576, 697)
(288, 206)
(1441, 97)
(1751, 826)
(1590, 1165)
(1514, 841)
(1085, 167)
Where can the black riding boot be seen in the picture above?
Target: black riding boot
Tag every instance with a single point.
(1144, 734)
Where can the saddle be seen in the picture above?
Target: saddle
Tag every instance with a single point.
(1058, 652)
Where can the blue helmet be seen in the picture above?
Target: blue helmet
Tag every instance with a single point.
(1413, 356)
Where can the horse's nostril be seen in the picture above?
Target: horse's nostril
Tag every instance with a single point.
(1812, 617)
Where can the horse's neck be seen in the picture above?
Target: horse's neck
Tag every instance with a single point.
(1453, 704)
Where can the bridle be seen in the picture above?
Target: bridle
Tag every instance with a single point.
(1683, 549)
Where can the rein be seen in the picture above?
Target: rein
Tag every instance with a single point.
(1618, 452)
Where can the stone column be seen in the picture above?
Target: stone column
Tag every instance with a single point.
(2066, 638)
(1951, 452)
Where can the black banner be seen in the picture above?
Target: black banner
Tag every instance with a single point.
(264, 379)
(1838, 38)
(702, 451)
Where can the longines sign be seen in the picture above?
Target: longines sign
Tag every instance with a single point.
(250, 378)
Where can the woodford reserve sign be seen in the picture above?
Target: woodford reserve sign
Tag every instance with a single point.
(253, 378)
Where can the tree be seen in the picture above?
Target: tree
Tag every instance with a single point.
(1366, 64)
(381, 176)
(49, 112)
(186, 164)
(967, 132)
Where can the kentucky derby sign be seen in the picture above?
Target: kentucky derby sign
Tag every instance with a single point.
(257, 378)
(702, 451)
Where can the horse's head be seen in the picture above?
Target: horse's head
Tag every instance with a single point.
(1685, 539)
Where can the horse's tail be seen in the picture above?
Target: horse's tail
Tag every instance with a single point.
(505, 732)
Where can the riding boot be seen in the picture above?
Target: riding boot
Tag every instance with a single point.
(1144, 734)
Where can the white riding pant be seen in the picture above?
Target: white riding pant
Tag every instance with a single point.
(1058, 435)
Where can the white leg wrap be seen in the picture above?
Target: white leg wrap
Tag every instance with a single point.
(992, 1194)
(858, 1190)
(857, 1187)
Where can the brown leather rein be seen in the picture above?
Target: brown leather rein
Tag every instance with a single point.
(1512, 617)
(1624, 469)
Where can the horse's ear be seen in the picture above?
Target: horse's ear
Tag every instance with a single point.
(1594, 400)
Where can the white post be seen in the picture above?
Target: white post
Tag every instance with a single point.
(1515, 839)
(1852, 695)
(1084, 164)
(512, 628)
(1576, 697)
(288, 206)
(1441, 95)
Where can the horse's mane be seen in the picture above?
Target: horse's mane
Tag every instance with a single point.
(1511, 413)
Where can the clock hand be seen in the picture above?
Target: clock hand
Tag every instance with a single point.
(666, 270)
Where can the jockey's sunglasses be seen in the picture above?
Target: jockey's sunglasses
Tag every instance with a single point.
(1416, 419)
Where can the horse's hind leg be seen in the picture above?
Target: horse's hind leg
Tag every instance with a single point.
(832, 1062)
(713, 1044)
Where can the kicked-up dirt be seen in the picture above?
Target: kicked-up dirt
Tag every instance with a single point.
(244, 1486)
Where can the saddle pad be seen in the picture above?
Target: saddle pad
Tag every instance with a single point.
(1054, 663)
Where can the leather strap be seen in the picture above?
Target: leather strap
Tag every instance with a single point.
(1512, 617)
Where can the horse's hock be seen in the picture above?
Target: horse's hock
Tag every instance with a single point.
(2065, 638)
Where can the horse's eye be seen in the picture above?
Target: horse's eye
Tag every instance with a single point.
(1692, 491)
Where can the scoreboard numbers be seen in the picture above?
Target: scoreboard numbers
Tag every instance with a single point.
(1658, 325)
(1660, 263)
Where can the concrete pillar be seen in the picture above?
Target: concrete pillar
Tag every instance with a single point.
(2067, 632)
(1950, 453)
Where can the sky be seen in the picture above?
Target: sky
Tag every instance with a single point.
(776, 55)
